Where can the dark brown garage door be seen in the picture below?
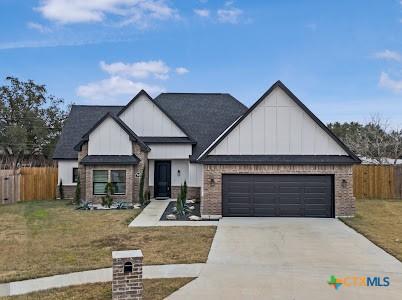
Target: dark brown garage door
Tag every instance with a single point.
(277, 196)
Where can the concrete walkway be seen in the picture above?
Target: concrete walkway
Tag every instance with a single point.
(93, 276)
(152, 213)
(291, 258)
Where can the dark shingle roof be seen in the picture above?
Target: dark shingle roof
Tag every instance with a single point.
(203, 116)
(278, 159)
(81, 119)
(110, 160)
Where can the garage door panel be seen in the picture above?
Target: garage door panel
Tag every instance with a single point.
(240, 199)
(264, 199)
(277, 195)
(264, 211)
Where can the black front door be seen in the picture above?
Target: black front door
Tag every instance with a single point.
(162, 179)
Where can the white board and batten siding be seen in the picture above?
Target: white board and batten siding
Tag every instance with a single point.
(170, 151)
(191, 173)
(146, 119)
(65, 171)
(109, 139)
(278, 126)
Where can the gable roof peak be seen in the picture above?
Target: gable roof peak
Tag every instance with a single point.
(280, 84)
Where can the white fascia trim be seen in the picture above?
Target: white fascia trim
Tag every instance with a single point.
(215, 141)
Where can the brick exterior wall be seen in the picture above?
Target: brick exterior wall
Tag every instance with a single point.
(81, 170)
(211, 202)
(127, 286)
(132, 180)
(130, 173)
(69, 191)
(143, 156)
(192, 192)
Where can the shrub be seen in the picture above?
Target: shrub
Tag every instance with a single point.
(107, 200)
(61, 190)
(77, 195)
(180, 207)
(141, 193)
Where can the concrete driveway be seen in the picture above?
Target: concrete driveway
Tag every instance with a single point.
(290, 258)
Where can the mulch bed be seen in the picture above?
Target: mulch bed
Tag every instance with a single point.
(169, 210)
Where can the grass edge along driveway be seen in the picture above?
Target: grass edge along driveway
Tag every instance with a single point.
(43, 238)
(380, 221)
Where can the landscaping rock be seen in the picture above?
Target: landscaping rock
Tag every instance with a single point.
(195, 218)
(192, 201)
(137, 205)
(171, 217)
(191, 207)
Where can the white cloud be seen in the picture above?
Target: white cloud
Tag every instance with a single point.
(391, 84)
(139, 12)
(181, 70)
(229, 14)
(389, 55)
(202, 12)
(39, 27)
(112, 89)
(142, 69)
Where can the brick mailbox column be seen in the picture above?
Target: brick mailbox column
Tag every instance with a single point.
(127, 275)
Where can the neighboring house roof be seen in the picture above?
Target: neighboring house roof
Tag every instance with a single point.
(80, 120)
(279, 84)
(204, 116)
(110, 160)
(278, 159)
(130, 133)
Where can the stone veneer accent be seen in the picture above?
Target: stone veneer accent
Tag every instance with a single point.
(211, 202)
(69, 191)
(127, 286)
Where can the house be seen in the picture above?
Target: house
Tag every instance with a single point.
(274, 159)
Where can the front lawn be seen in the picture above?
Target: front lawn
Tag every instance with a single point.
(381, 222)
(45, 238)
(154, 289)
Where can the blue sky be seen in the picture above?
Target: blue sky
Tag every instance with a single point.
(343, 58)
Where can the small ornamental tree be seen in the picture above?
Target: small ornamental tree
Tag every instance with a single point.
(180, 209)
(185, 191)
(107, 200)
(77, 195)
(61, 190)
(141, 192)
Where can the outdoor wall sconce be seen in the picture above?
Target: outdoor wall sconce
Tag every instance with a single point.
(178, 172)
(212, 181)
(344, 183)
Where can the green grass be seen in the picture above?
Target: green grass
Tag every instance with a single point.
(154, 289)
(45, 238)
(381, 222)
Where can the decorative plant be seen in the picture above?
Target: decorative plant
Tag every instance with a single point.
(181, 205)
(180, 208)
(184, 196)
(107, 200)
(61, 190)
(77, 195)
(148, 195)
(141, 193)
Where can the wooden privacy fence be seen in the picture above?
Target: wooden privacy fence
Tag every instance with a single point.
(9, 186)
(377, 182)
(28, 184)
